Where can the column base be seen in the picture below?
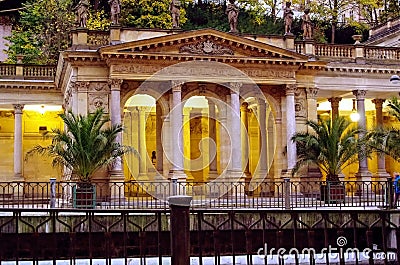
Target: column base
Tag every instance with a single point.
(142, 177)
(212, 175)
(177, 174)
(117, 195)
(382, 175)
(18, 177)
(364, 190)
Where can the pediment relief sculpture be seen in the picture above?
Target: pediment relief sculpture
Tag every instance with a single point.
(207, 47)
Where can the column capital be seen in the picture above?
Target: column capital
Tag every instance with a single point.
(143, 109)
(378, 102)
(334, 101)
(115, 83)
(82, 86)
(312, 92)
(290, 89)
(176, 85)
(18, 108)
(235, 87)
(360, 94)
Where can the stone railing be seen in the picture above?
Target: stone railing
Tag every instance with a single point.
(377, 53)
(7, 70)
(333, 52)
(40, 72)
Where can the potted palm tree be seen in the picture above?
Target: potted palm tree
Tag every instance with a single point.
(331, 145)
(87, 144)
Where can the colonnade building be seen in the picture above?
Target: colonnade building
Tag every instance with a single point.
(196, 105)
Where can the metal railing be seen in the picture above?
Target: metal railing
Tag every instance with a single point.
(216, 236)
(282, 194)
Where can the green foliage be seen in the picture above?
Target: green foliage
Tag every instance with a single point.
(98, 20)
(42, 31)
(149, 13)
(331, 145)
(87, 144)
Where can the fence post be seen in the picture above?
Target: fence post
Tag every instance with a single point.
(52, 192)
(180, 233)
(286, 185)
(389, 192)
(174, 186)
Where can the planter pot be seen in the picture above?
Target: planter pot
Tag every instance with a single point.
(333, 193)
(84, 196)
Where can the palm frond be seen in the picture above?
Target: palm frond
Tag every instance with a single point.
(87, 144)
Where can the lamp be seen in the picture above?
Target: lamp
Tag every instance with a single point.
(354, 116)
(394, 79)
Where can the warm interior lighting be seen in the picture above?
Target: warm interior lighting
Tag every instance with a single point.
(354, 116)
(42, 109)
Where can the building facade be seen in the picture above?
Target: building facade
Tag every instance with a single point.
(197, 105)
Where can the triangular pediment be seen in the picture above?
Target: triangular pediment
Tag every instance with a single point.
(203, 43)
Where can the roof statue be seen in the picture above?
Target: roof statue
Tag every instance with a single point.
(115, 6)
(288, 18)
(82, 13)
(174, 8)
(306, 25)
(232, 11)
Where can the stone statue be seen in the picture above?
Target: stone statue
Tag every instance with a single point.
(82, 12)
(288, 18)
(115, 6)
(233, 11)
(306, 25)
(174, 8)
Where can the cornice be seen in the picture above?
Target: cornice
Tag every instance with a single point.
(26, 85)
(118, 58)
(360, 69)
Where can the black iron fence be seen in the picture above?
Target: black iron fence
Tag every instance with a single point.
(215, 237)
(283, 194)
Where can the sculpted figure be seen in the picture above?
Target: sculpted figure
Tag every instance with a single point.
(115, 11)
(233, 11)
(82, 12)
(306, 25)
(174, 8)
(288, 18)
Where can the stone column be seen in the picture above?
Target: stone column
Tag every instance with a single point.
(335, 106)
(245, 140)
(236, 158)
(382, 174)
(290, 127)
(263, 160)
(212, 134)
(312, 104)
(177, 137)
(142, 111)
(363, 173)
(224, 136)
(159, 145)
(117, 172)
(18, 176)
